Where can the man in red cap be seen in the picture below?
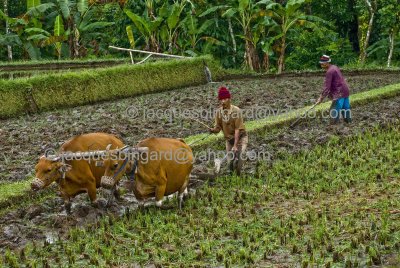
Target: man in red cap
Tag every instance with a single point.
(335, 88)
(229, 119)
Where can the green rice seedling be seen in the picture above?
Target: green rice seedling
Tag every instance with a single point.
(337, 256)
(295, 249)
(10, 259)
(22, 255)
(354, 242)
(220, 256)
(45, 263)
(374, 255)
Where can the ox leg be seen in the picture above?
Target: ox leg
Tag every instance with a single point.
(141, 204)
(67, 202)
(110, 198)
(67, 206)
(160, 191)
(180, 201)
(159, 203)
(116, 193)
(182, 192)
(91, 190)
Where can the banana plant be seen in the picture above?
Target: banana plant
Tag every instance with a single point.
(10, 40)
(32, 3)
(72, 21)
(18, 36)
(173, 22)
(390, 19)
(159, 26)
(148, 28)
(131, 38)
(287, 17)
(58, 31)
(88, 29)
(195, 32)
(247, 14)
(269, 28)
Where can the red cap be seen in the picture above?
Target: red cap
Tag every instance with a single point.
(223, 93)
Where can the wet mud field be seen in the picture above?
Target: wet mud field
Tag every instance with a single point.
(26, 138)
(165, 114)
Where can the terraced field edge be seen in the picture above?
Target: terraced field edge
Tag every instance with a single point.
(60, 90)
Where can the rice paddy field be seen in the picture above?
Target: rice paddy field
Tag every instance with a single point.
(321, 196)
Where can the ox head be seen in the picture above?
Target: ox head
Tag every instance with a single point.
(48, 170)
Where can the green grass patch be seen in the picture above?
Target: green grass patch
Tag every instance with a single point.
(18, 194)
(13, 189)
(332, 206)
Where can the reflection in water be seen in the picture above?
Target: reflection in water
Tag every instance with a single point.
(28, 74)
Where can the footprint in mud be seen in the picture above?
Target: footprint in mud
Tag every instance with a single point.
(34, 211)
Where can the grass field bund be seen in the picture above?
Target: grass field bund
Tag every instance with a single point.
(60, 90)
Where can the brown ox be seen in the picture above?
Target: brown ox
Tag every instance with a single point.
(75, 176)
(163, 170)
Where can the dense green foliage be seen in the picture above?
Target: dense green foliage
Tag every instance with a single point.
(329, 206)
(262, 35)
(70, 89)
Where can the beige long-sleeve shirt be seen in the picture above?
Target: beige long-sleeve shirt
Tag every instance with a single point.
(229, 120)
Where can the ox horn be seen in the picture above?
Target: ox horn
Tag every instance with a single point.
(50, 157)
(108, 147)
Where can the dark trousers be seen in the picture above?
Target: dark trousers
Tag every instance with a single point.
(235, 161)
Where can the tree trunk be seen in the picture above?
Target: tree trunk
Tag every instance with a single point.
(9, 48)
(391, 46)
(281, 60)
(252, 59)
(154, 46)
(71, 39)
(266, 62)
(233, 39)
(371, 9)
(353, 26)
(76, 42)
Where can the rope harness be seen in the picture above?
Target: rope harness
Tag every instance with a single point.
(133, 171)
(121, 168)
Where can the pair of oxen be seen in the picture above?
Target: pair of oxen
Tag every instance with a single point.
(157, 167)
